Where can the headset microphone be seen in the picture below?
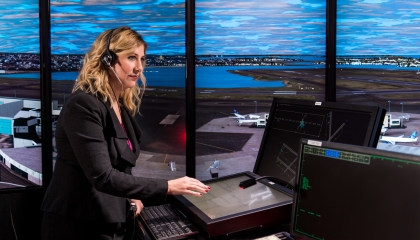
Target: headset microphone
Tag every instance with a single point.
(122, 89)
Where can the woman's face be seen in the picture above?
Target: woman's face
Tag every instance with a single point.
(128, 68)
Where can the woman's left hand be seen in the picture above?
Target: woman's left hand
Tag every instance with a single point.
(139, 206)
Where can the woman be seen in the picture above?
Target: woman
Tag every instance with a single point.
(97, 142)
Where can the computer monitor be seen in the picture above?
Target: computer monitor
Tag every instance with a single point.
(291, 119)
(228, 209)
(354, 192)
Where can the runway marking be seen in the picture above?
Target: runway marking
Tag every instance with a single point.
(12, 184)
(179, 110)
(170, 119)
(215, 146)
(208, 91)
(164, 161)
(284, 92)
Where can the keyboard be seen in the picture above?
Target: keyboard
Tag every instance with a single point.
(277, 236)
(167, 222)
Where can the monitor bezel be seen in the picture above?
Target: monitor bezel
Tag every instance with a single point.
(340, 147)
(374, 128)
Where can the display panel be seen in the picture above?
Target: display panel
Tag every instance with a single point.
(227, 198)
(353, 192)
(227, 208)
(74, 27)
(291, 120)
(248, 52)
(378, 63)
(20, 91)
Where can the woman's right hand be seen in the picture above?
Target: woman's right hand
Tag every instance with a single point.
(187, 185)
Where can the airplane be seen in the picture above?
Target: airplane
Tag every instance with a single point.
(383, 129)
(393, 140)
(239, 116)
(253, 121)
(216, 164)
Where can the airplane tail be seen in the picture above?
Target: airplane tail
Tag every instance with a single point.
(414, 135)
(234, 110)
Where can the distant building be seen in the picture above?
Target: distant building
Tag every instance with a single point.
(20, 125)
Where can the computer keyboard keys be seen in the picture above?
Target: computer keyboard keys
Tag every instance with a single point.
(167, 222)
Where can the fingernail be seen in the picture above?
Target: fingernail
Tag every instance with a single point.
(201, 194)
(207, 190)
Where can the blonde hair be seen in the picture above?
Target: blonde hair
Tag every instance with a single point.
(93, 77)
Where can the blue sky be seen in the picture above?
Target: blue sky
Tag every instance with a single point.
(19, 26)
(372, 27)
(222, 27)
(265, 27)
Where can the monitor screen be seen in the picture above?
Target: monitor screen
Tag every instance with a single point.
(353, 192)
(228, 209)
(227, 198)
(290, 120)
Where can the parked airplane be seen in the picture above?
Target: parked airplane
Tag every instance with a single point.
(393, 140)
(239, 116)
(216, 164)
(383, 129)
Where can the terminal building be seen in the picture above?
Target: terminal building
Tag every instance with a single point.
(20, 138)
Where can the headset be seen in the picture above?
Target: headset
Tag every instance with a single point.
(108, 58)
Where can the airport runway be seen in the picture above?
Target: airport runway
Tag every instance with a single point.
(218, 137)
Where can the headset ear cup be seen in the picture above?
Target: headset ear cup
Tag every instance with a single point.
(108, 58)
(105, 60)
(112, 57)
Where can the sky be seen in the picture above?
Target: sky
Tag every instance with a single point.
(378, 27)
(223, 27)
(19, 26)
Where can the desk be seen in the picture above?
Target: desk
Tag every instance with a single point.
(246, 234)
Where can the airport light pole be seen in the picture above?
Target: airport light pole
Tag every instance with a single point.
(402, 111)
(15, 93)
(256, 102)
(389, 106)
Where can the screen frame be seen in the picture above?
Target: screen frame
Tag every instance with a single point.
(340, 147)
(374, 128)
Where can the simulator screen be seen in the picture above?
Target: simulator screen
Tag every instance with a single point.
(227, 198)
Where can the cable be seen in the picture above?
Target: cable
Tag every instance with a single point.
(134, 228)
(11, 217)
(122, 88)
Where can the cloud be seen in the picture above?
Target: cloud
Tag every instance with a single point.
(375, 1)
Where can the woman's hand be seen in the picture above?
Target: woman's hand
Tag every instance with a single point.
(139, 206)
(187, 185)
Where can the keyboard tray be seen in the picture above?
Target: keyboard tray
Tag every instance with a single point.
(167, 222)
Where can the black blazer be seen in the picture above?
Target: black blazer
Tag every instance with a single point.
(92, 176)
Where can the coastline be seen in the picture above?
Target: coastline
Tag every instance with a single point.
(382, 86)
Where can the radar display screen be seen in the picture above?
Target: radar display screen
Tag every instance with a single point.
(227, 198)
(291, 120)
